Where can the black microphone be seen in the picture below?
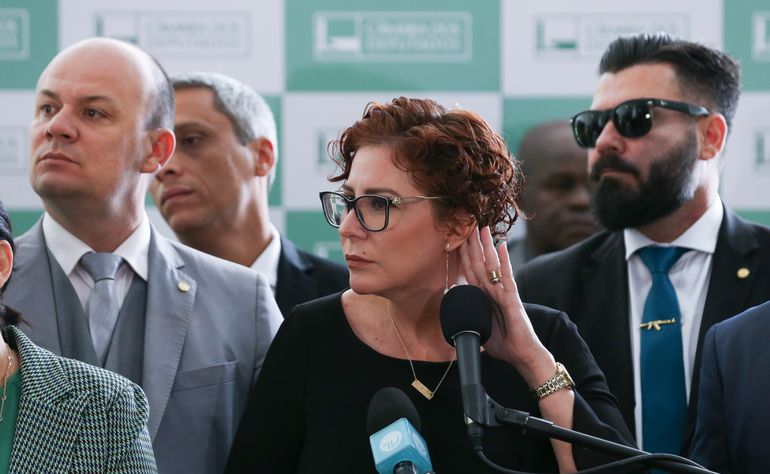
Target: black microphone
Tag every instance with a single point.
(393, 425)
(466, 321)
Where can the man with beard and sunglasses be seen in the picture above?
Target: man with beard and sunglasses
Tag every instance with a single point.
(655, 133)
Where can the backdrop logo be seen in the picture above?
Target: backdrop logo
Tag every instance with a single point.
(324, 165)
(12, 150)
(432, 37)
(584, 36)
(184, 34)
(760, 46)
(762, 159)
(14, 34)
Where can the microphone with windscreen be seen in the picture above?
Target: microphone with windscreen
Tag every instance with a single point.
(393, 425)
(466, 321)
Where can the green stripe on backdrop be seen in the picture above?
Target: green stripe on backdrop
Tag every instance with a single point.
(761, 217)
(29, 38)
(22, 220)
(310, 231)
(398, 45)
(521, 113)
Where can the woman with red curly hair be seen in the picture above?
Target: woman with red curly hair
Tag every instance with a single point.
(430, 191)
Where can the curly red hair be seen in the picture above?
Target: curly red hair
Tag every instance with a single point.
(452, 153)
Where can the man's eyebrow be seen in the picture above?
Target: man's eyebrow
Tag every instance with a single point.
(182, 126)
(83, 100)
(49, 93)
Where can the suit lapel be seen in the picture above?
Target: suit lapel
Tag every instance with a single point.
(294, 285)
(170, 300)
(734, 270)
(32, 288)
(608, 333)
(50, 412)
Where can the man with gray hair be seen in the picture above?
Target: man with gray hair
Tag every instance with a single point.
(213, 192)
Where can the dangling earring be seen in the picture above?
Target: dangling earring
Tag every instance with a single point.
(446, 280)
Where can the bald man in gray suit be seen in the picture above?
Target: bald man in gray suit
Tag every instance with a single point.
(191, 329)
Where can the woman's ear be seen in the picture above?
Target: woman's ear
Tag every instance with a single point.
(459, 231)
(6, 261)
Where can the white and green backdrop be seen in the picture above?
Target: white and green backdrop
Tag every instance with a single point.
(319, 62)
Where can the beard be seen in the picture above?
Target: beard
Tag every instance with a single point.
(670, 184)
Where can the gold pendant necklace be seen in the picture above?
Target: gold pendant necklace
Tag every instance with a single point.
(5, 384)
(416, 383)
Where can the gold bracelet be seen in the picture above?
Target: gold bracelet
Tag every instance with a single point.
(558, 381)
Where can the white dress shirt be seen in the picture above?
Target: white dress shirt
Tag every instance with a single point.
(267, 262)
(68, 249)
(690, 276)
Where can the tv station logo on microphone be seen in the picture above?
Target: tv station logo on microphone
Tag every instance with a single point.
(390, 441)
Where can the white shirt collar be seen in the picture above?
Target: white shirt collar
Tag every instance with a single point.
(67, 249)
(701, 236)
(267, 262)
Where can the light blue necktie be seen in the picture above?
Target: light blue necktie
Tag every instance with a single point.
(664, 401)
(102, 306)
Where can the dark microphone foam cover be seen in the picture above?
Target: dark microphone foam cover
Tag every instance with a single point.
(388, 405)
(466, 308)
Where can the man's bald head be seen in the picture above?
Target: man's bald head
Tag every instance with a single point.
(546, 143)
(102, 124)
(136, 64)
(556, 194)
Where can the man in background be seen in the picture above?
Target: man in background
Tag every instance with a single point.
(93, 279)
(674, 259)
(214, 191)
(556, 198)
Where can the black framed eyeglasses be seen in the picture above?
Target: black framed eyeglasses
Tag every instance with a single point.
(372, 211)
(632, 119)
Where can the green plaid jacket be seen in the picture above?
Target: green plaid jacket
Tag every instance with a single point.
(76, 418)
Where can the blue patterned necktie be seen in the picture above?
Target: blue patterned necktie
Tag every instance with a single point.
(102, 306)
(664, 401)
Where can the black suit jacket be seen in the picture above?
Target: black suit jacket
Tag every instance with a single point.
(303, 276)
(589, 282)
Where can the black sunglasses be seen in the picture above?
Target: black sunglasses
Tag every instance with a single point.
(632, 119)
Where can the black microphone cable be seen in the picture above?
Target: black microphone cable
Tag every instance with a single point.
(613, 467)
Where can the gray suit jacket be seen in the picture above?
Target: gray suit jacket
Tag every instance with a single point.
(76, 418)
(208, 325)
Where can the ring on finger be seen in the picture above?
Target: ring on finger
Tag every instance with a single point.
(495, 277)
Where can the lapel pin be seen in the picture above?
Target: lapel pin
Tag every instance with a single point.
(743, 273)
(183, 286)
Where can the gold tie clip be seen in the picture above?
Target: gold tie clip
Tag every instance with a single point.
(656, 324)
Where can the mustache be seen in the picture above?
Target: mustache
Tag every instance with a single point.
(613, 163)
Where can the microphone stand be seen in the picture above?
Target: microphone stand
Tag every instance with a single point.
(494, 414)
